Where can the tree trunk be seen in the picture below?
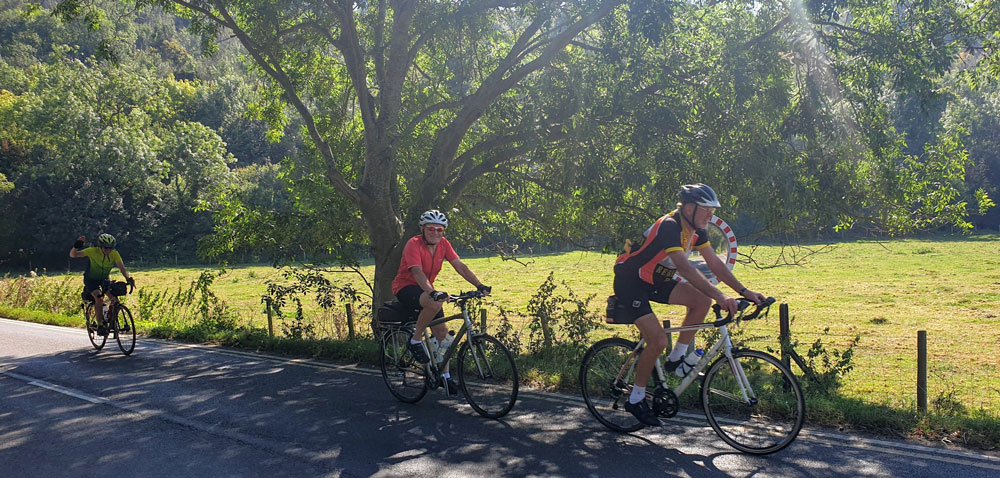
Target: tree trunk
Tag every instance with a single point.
(385, 232)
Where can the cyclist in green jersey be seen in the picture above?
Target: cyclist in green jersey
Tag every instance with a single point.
(96, 280)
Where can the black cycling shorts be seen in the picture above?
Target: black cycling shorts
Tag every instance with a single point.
(409, 296)
(634, 295)
(102, 285)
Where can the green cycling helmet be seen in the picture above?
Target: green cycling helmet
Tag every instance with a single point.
(106, 240)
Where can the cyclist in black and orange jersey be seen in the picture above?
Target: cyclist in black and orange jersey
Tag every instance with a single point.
(647, 274)
(95, 278)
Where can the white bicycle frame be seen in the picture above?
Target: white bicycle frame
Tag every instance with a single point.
(724, 345)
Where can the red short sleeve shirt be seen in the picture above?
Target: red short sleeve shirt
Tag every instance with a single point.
(417, 253)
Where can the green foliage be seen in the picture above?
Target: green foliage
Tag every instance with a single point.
(5, 185)
(51, 295)
(328, 295)
(569, 314)
(297, 327)
(825, 367)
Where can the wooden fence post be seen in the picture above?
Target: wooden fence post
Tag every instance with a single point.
(270, 319)
(670, 337)
(922, 370)
(482, 320)
(784, 334)
(350, 322)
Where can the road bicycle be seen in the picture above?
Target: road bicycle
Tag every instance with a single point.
(486, 372)
(117, 320)
(751, 400)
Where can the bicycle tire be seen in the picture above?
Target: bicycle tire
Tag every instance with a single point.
(405, 377)
(607, 375)
(124, 329)
(90, 321)
(487, 376)
(768, 425)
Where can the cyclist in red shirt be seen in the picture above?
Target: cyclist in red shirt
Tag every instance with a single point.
(423, 257)
(647, 274)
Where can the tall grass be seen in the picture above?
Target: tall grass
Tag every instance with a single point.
(55, 295)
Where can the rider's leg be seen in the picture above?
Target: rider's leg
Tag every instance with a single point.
(697, 308)
(98, 305)
(656, 340)
(430, 308)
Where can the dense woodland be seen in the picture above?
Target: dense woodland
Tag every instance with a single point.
(213, 130)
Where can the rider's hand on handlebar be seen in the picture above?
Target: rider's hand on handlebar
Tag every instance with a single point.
(484, 289)
(130, 281)
(730, 306)
(755, 297)
(438, 296)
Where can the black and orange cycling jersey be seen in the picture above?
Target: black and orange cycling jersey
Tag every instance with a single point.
(650, 262)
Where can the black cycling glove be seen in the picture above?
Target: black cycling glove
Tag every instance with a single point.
(78, 245)
(438, 296)
(484, 288)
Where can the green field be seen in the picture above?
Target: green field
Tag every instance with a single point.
(883, 292)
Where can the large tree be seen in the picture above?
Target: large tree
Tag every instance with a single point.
(399, 97)
(559, 113)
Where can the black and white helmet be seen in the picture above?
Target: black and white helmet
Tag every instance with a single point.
(699, 194)
(433, 217)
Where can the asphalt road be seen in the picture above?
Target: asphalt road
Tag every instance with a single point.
(183, 410)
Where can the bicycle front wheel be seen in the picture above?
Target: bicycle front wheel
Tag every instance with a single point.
(90, 319)
(124, 329)
(405, 377)
(488, 376)
(761, 416)
(606, 378)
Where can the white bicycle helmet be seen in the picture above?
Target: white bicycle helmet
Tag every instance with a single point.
(433, 217)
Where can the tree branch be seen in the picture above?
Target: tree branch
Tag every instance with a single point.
(275, 71)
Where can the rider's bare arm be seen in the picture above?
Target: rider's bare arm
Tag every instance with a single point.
(726, 276)
(421, 278)
(694, 277)
(76, 251)
(121, 267)
(466, 273)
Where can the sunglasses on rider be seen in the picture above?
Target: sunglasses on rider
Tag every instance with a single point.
(434, 228)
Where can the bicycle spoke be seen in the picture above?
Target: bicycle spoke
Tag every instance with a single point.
(760, 426)
(488, 376)
(124, 329)
(96, 339)
(606, 378)
(406, 379)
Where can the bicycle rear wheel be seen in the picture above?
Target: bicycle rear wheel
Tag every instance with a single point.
(96, 339)
(124, 329)
(488, 376)
(762, 425)
(606, 378)
(405, 377)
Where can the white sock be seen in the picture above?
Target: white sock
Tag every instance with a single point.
(638, 394)
(677, 352)
(414, 341)
(446, 375)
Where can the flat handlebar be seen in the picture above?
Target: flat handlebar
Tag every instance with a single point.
(475, 294)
